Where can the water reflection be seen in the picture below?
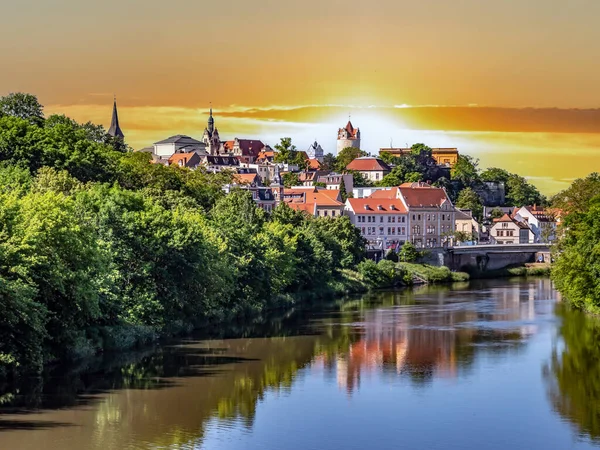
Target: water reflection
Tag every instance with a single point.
(573, 376)
(167, 397)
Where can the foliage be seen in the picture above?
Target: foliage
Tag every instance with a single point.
(469, 199)
(576, 199)
(329, 162)
(465, 170)
(520, 193)
(288, 154)
(408, 252)
(290, 179)
(380, 275)
(577, 269)
(496, 213)
(418, 165)
(462, 236)
(22, 106)
(358, 180)
(392, 256)
(346, 156)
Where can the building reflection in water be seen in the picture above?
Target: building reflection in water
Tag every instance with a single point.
(440, 334)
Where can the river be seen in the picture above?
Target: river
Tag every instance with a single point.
(495, 364)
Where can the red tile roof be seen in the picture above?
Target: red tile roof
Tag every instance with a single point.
(423, 195)
(333, 193)
(385, 193)
(351, 130)
(376, 206)
(314, 164)
(245, 178)
(183, 158)
(367, 163)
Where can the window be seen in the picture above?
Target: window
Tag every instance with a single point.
(433, 216)
(393, 219)
(369, 219)
(393, 230)
(377, 176)
(380, 230)
(443, 216)
(389, 232)
(419, 216)
(332, 213)
(416, 229)
(389, 219)
(380, 219)
(428, 216)
(362, 230)
(499, 233)
(413, 217)
(430, 229)
(403, 219)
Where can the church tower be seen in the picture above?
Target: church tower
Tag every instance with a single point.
(348, 137)
(115, 129)
(211, 136)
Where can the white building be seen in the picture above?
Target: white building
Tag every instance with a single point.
(178, 144)
(371, 168)
(315, 151)
(540, 220)
(507, 230)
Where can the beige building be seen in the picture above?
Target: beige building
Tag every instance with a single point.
(466, 223)
(507, 230)
(371, 168)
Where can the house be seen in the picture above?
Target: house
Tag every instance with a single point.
(444, 157)
(371, 168)
(246, 150)
(178, 144)
(265, 156)
(334, 180)
(313, 164)
(431, 214)
(219, 163)
(190, 160)
(383, 222)
(466, 223)
(267, 171)
(265, 197)
(507, 230)
(315, 151)
(541, 221)
(309, 178)
(317, 202)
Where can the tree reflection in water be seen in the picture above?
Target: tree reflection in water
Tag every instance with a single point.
(573, 375)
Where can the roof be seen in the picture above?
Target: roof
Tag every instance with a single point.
(462, 215)
(265, 155)
(376, 206)
(178, 139)
(367, 163)
(504, 218)
(423, 195)
(308, 207)
(185, 159)
(115, 129)
(221, 160)
(385, 193)
(249, 147)
(245, 178)
(314, 164)
(311, 195)
(333, 193)
(351, 130)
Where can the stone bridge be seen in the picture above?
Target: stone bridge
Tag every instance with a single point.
(492, 257)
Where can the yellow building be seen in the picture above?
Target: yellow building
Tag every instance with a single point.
(443, 156)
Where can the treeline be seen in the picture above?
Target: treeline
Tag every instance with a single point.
(101, 249)
(576, 271)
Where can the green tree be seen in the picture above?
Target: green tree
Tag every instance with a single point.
(329, 162)
(343, 192)
(408, 252)
(22, 106)
(358, 179)
(520, 193)
(495, 174)
(346, 156)
(288, 154)
(577, 198)
(465, 170)
(469, 199)
(290, 179)
(496, 213)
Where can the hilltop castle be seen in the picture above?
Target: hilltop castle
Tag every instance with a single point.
(348, 137)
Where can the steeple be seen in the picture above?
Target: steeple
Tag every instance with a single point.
(115, 129)
(211, 122)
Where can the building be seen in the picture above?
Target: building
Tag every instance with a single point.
(313, 164)
(541, 221)
(219, 163)
(492, 193)
(115, 130)
(246, 150)
(371, 168)
(334, 181)
(466, 223)
(189, 160)
(348, 137)
(265, 197)
(315, 151)
(317, 202)
(179, 143)
(445, 157)
(211, 138)
(507, 230)
(383, 222)
(362, 192)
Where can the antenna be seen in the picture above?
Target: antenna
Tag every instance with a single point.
(391, 143)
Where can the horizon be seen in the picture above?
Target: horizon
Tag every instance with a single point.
(523, 94)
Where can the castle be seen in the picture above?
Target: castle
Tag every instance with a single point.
(348, 137)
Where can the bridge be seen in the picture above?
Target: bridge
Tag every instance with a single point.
(492, 256)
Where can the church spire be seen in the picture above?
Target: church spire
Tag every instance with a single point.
(115, 129)
(211, 122)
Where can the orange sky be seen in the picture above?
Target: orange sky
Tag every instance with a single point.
(167, 61)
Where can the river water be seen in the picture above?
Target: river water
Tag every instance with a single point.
(484, 365)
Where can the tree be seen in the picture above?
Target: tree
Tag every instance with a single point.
(408, 252)
(496, 213)
(290, 179)
(329, 162)
(22, 106)
(468, 199)
(462, 236)
(346, 156)
(320, 184)
(576, 199)
(495, 174)
(465, 170)
(343, 192)
(287, 153)
(520, 193)
(359, 180)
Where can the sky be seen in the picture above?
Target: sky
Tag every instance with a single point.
(512, 83)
